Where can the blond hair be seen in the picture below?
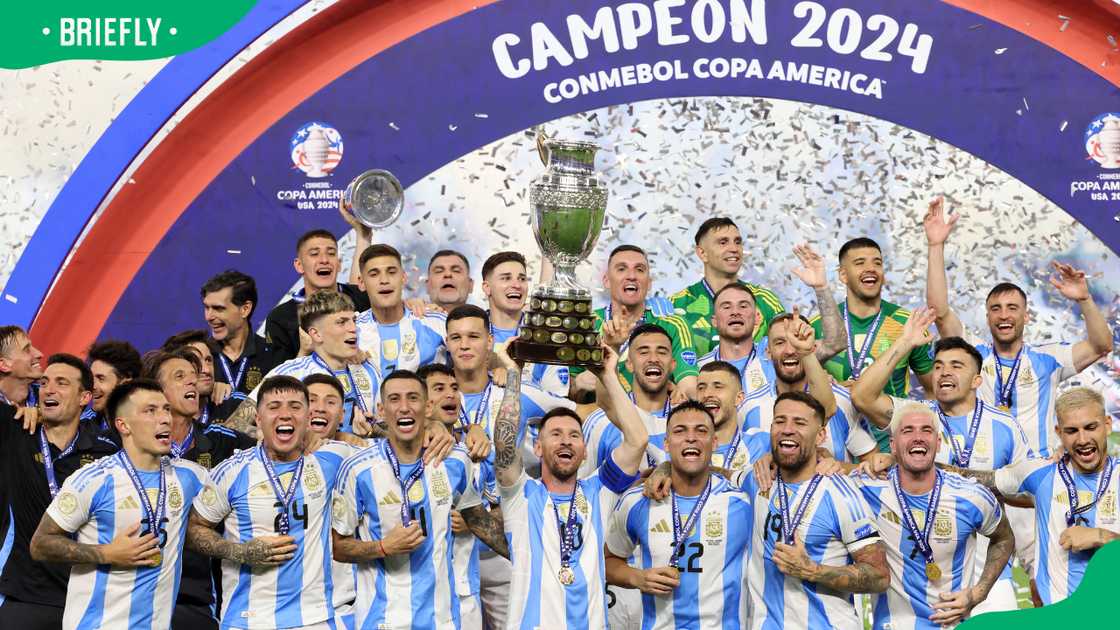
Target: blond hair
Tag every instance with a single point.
(322, 304)
(1077, 398)
(911, 407)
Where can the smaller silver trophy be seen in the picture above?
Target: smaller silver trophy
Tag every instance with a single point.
(568, 203)
(375, 198)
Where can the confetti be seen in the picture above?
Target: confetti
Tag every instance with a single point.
(1000, 51)
(233, 251)
(394, 127)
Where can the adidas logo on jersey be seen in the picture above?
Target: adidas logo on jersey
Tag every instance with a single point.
(128, 503)
(390, 499)
(662, 527)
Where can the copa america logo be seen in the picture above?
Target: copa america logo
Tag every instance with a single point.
(1102, 140)
(316, 149)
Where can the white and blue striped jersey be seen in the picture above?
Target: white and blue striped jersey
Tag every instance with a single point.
(1057, 571)
(98, 503)
(964, 510)
(417, 590)
(1041, 370)
(537, 599)
(466, 547)
(601, 436)
(407, 345)
(344, 575)
(713, 564)
(758, 373)
(357, 380)
(753, 444)
(552, 379)
(836, 523)
(301, 591)
(845, 436)
(535, 403)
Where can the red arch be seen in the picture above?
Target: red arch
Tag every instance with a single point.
(342, 37)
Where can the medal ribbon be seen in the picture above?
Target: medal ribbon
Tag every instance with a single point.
(406, 484)
(1004, 392)
(153, 514)
(234, 381)
(681, 532)
(567, 529)
(746, 366)
(964, 455)
(789, 527)
(732, 449)
(921, 538)
(481, 411)
(1071, 488)
(285, 497)
(855, 361)
(48, 462)
(178, 450)
(359, 399)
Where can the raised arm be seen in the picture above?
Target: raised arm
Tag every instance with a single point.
(363, 236)
(1074, 286)
(800, 336)
(244, 418)
(507, 459)
(623, 413)
(263, 551)
(812, 272)
(954, 607)
(867, 391)
(487, 526)
(51, 543)
(937, 283)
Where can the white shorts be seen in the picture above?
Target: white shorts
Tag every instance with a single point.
(1022, 522)
(624, 608)
(494, 573)
(470, 612)
(1001, 598)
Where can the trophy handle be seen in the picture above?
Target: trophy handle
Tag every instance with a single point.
(542, 147)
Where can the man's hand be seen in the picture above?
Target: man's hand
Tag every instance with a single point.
(1058, 453)
(220, 393)
(1079, 538)
(615, 333)
(877, 465)
(403, 539)
(658, 483)
(30, 418)
(355, 224)
(937, 228)
(800, 335)
(477, 442)
(361, 424)
(658, 580)
(828, 466)
(609, 367)
(811, 271)
(419, 307)
(306, 343)
(683, 391)
(438, 443)
(1070, 282)
(458, 525)
(501, 353)
(351, 439)
(952, 608)
(793, 561)
(916, 331)
(764, 470)
(268, 551)
(312, 442)
(128, 550)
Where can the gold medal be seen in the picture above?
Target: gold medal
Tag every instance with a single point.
(1004, 408)
(933, 571)
(676, 572)
(567, 576)
(157, 559)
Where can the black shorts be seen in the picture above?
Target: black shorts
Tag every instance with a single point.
(190, 617)
(26, 616)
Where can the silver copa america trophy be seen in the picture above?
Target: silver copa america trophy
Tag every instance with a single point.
(375, 198)
(568, 203)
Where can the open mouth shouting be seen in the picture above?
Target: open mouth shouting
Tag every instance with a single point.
(788, 447)
(407, 425)
(324, 271)
(869, 279)
(566, 456)
(51, 403)
(631, 289)
(319, 423)
(1004, 329)
(712, 405)
(164, 438)
(449, 407)
(691, 454)
(1086, 455)
(653, 371)
(285, 432)
(515, 296)
(351, 341)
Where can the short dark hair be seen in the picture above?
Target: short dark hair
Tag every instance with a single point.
(723, 366)
(121, 393)
(731, 286)
(426, 371)
(281, 383)
(187, 337)
(559, 412)
(627, 248)
(647, 328)
(711, 224)
(8, 334)
(1006, 287)
(316, 233)
(242, 288)
(957, 343)
(155, 359)
(499, 258)
(406, 375)
(689, 405)
(857, 243)
(76, 363)
(805, 399)
(449, 252)
(468, 311)
(324, 379)
(119, 355)
(376, 250)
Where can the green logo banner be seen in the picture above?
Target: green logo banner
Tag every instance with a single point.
(35, 33)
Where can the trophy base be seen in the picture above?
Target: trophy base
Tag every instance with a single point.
(558, 330)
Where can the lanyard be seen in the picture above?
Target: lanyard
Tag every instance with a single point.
(921, 538)
(1071, 489)
(746, 365)
(204, 417)
(855, 361)
(153, 514)
(732, 449)
(964, 455)
(284, 497)
(242, 364)
(664, 409)
(681, 533)
(179, 450)
(567, 529)
(48, 462)
(516, 329)
(358, 397)
(481, 411)
(789, 526)
(406, 484)
(1004, 392)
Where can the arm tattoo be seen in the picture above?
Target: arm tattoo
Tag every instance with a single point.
(986, 478)
(868, 573)
(1001, 544)
(832, 328)
(487, 527)
(51, 543)
(244, 418)
(202, 538)
(505, 425)
(354, 551)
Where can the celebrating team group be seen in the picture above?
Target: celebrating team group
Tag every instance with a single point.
(379, 462)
